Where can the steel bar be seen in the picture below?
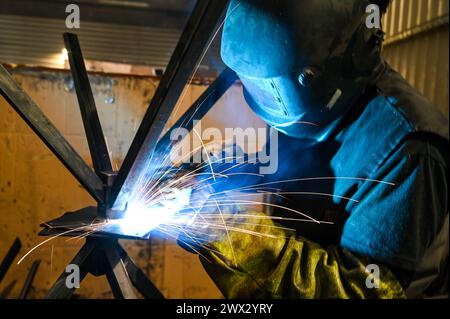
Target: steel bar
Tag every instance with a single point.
(29, 281)
(117, 274)
(48, 133)
(200, 107)
(59, 289)
(9, 258)
(4, 294)
(94, 133)
(138, 278)
(194, 42)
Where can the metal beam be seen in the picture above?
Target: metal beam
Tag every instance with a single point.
(59, 289)
(171, 14)
(92, 127)
(29, 281)
(138, 278)
(9, 258)
(116, 273)
(49, 134)
(195, 41)
(200, 108)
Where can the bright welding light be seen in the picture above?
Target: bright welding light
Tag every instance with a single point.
(140, 219)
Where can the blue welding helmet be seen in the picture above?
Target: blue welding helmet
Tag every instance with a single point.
(303, 63)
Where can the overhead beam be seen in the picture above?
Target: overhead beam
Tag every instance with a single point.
(165, 14)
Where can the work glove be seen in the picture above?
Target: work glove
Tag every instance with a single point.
(207, 218)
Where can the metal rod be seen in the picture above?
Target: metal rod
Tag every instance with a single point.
(200, 107)
(50, 135)
(194, 42)
(4, 294)
(94, 133)
(138, 278)
(59, 289)
(29, 281)
(9, 258)
(116, 273)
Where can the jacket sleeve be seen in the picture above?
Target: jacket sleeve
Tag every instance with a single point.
(395, 224)
(264, 261)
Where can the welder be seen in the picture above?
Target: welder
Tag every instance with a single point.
(352, 127)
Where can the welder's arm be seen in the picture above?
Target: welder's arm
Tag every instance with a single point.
(233, 168)
(277, 265)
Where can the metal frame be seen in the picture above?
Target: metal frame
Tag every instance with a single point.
(6, 264)
(94, 133)
(200, 108)
(29, 281)
(102, 255)
(105, 257)
(49, 134)
(9, 258)
(194, 42)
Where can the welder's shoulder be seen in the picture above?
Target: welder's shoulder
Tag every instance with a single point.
(406, 123)
(405, 141)
(407, 145)
(398, 122)
(416, 112)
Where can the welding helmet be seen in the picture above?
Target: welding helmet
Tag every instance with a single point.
(303, 63)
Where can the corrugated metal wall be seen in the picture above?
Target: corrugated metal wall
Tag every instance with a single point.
(417, 46)
(416, 43)
(38, 41)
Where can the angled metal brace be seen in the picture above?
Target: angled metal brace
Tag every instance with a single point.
(91, 121)
(117, 273)
(59, 289)
(9, 258)
(200, 108)
(105, 256)
(49, 134)
(138, 278)
(194, 42)
(29, 281)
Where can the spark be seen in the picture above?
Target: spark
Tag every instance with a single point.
(54, 237)
(207, 154)
(163, 202)
(287, 124)
(51, 259)
(140, 218)
(296, 193)
(228, 233)
(162, 205)
(204, 54)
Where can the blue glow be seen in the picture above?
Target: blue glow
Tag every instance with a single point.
(141, 218)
